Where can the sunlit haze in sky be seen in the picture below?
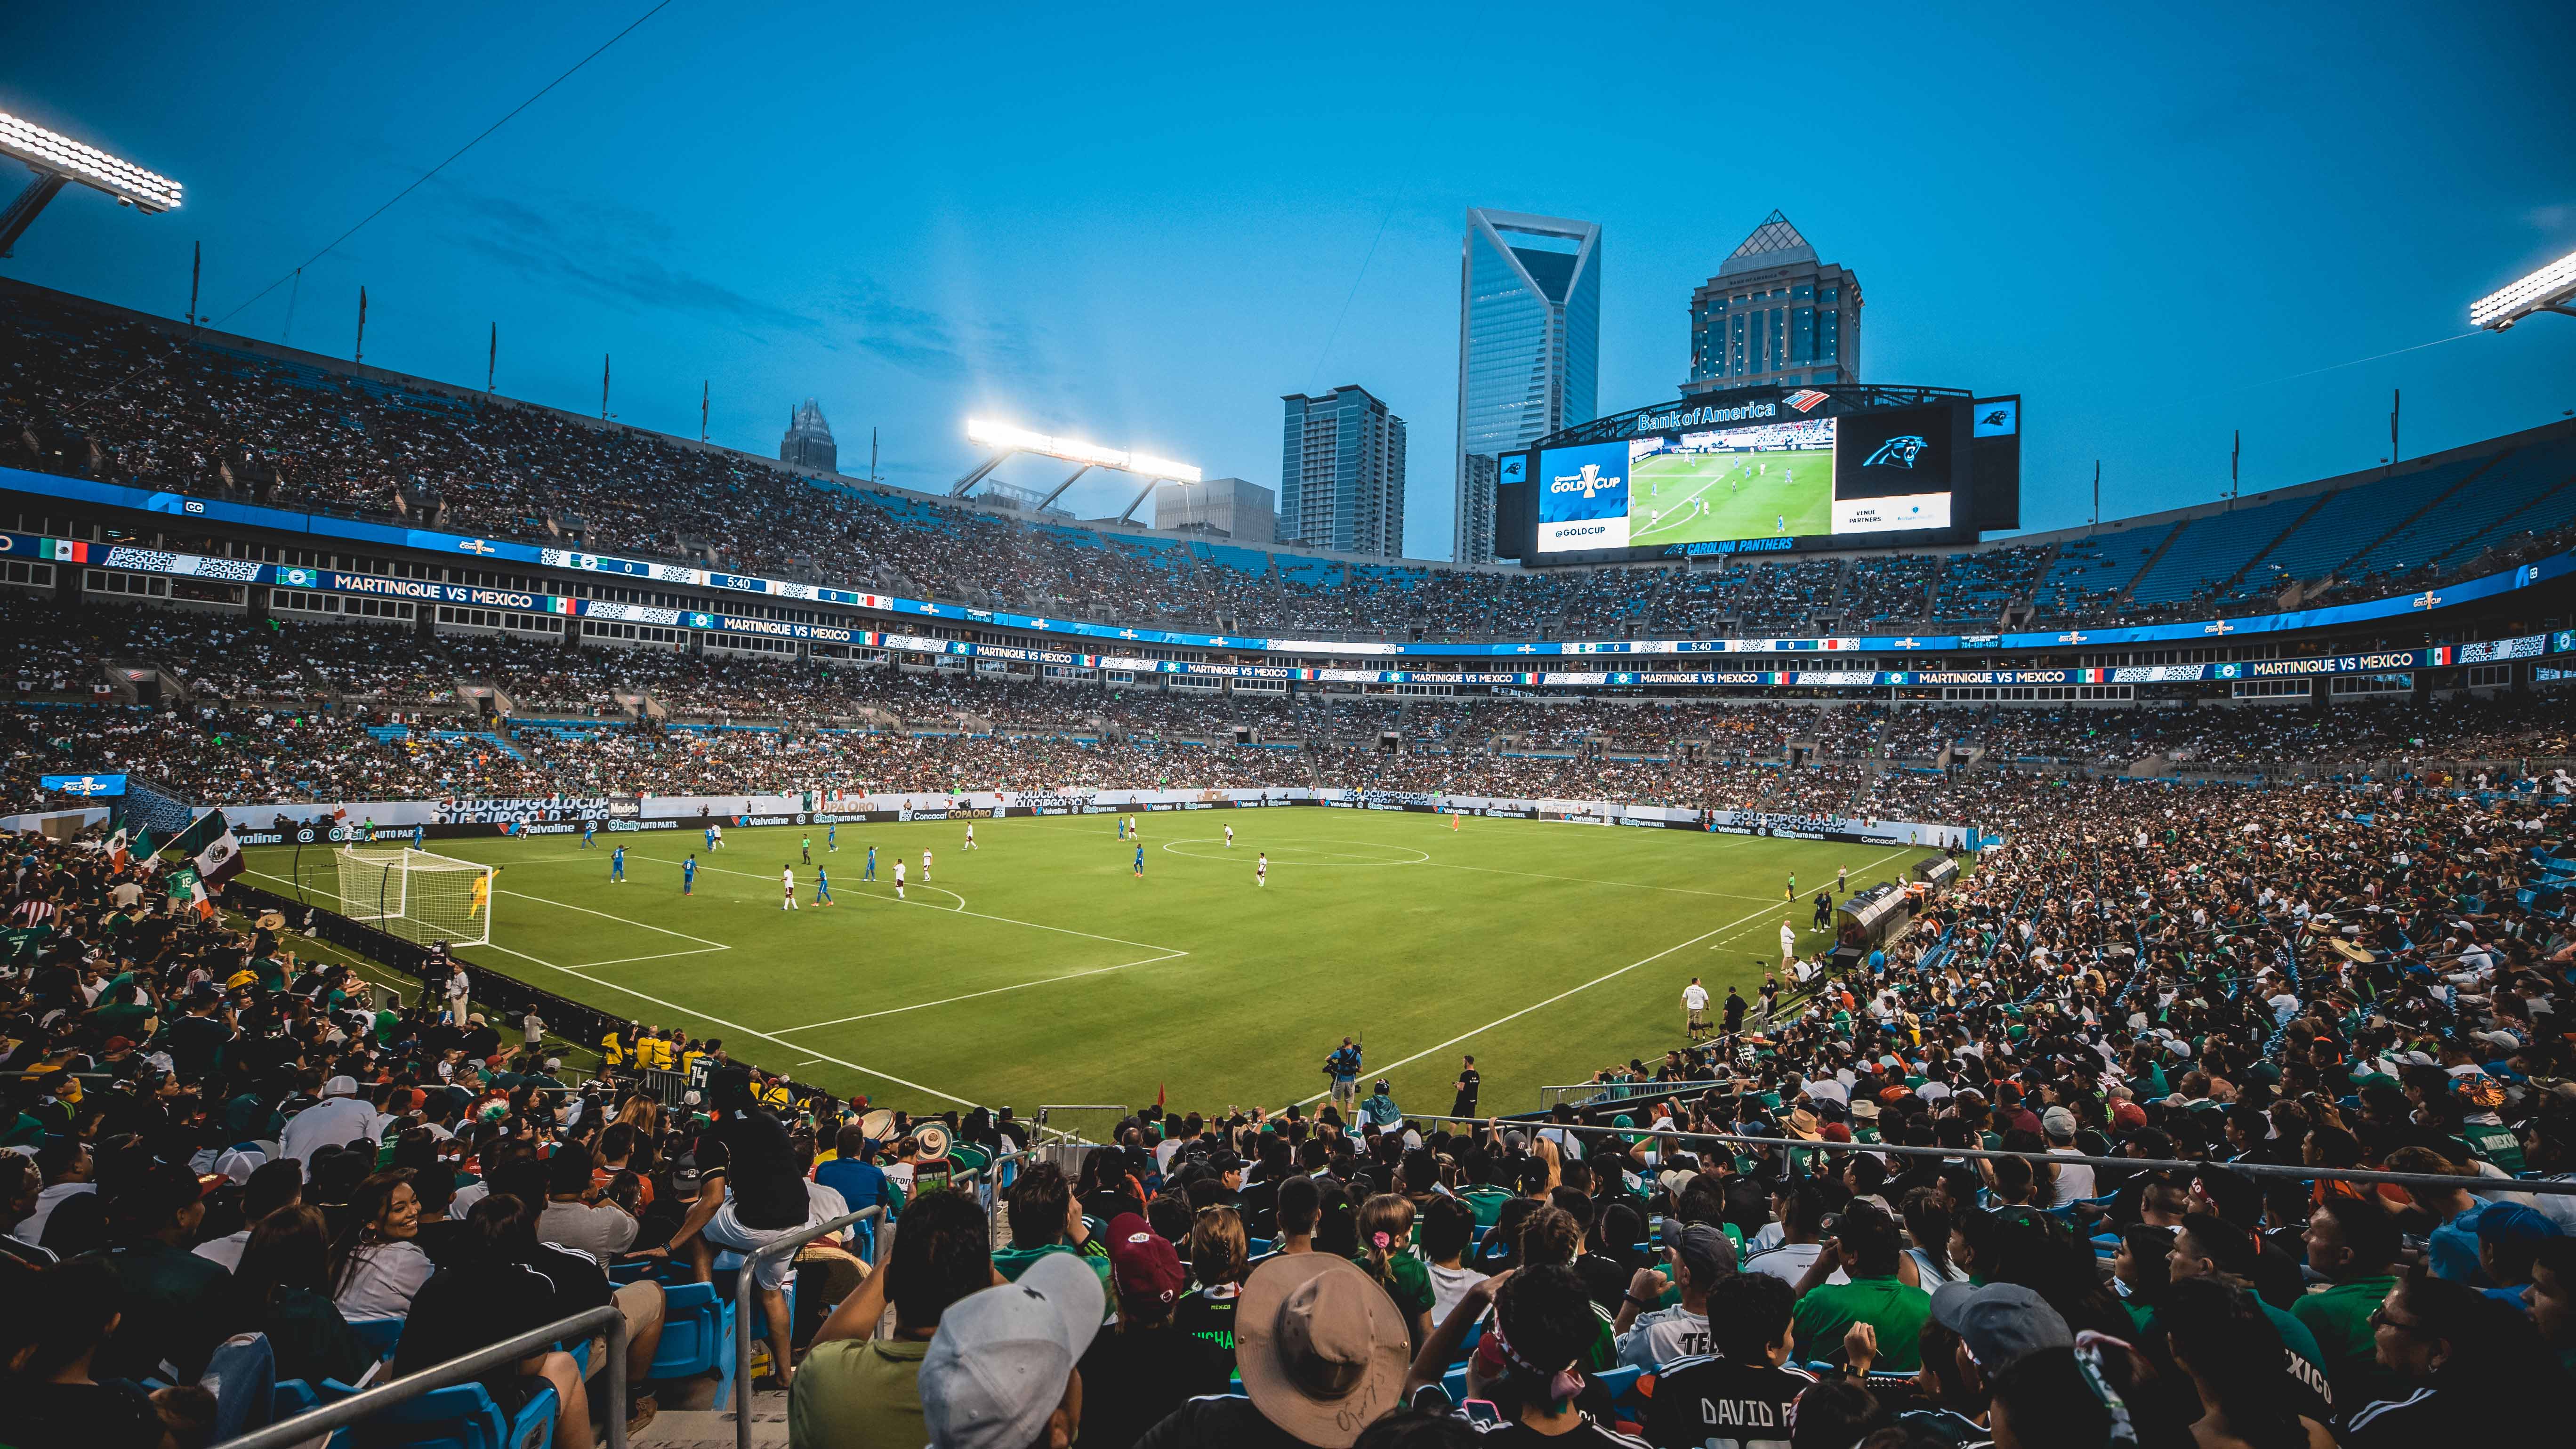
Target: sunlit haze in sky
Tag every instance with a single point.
(1142, 225)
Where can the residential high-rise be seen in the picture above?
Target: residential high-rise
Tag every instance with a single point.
(1774, 314)
(1341, 474)
(808, 443)
(1229, 508)
(1529, 349)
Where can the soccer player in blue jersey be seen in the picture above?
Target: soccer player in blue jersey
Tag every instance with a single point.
(711, 838)
(589, 828)
(419, 835)
(823, 886)
(688, 875)
(872, 865)
(1140, 862)
(832, 837)
(617, 865)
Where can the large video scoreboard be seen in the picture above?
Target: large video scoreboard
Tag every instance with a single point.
(1763, 470)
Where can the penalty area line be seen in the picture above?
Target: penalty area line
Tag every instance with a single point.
(1551, 1001)
(745, 1030)
(989, 991)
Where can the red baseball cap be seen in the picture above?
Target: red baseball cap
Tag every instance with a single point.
(1143, 1263)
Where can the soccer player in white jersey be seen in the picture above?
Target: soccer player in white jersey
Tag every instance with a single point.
(925, 866)
(1261, 870)
(1229, 837)
(970, 835)
(898, 877)
(787, 882)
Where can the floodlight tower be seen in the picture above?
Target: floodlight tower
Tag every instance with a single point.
(1006, 440)
(57, 159)
(2550, 289)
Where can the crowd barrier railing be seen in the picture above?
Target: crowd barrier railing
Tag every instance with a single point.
(315, 1424)
(742, 1307)
(2299, 1171)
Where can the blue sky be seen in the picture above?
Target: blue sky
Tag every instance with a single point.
(1143, 224)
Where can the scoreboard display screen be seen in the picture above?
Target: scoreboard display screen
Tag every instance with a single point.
(1794, 482)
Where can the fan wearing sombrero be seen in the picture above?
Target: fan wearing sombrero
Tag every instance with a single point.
(1322, 1352)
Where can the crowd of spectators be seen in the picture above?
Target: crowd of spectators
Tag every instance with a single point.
(2180, 1003)
(88, 391)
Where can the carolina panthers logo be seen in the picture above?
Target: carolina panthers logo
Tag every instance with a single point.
(1897, 452)
(1997, 418)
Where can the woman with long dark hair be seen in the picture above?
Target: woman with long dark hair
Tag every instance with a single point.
(282, 1289)
(376, 1261)
(1385, 1250)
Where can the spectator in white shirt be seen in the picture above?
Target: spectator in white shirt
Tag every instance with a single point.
(377, 1267)
(2074, 1179)
(1648, 1335)
(341, 1117)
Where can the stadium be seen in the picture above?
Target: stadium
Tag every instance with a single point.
(1799, 926)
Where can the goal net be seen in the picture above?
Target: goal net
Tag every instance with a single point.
(418, 896)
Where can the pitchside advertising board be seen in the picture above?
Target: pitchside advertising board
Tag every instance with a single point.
(1768, 474)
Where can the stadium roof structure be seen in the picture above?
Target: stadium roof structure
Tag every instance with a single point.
(1775, 243)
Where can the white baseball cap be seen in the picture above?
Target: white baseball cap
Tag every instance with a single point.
(998, 1365)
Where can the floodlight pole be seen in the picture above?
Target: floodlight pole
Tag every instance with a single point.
(1133, 503)
(23, 210)
(981, 472)
(1060, 487)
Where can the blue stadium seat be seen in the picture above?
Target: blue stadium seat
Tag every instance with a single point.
(380, 1335)
(697, 1337)
(464, 1416)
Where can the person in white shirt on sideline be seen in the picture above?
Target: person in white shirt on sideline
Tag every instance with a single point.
(1694, 1009)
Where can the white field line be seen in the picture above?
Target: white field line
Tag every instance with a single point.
(1572, 991)
(745, 1030)
(661, 956)
(990, 991)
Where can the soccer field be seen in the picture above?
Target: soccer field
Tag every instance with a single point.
(1749, 495)
(1038, 969)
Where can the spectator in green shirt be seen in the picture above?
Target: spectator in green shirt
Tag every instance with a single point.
(857, 1391)
(1047, 1218)
(1865, 1246)
(2352, 1241)
(1386, 1235)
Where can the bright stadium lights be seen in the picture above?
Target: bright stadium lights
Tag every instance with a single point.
(1073, 450)
(62, 156)
(2546, 290)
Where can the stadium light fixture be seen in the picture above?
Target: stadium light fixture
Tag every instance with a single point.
(2548, 290)
(61, 155)
(1009, 439)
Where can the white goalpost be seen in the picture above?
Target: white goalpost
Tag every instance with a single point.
(418, 896)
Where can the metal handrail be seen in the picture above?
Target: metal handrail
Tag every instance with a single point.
(742, 1312)
(315, 1423)
(2302, 1172)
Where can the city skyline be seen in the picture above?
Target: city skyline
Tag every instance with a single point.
(1151, 275)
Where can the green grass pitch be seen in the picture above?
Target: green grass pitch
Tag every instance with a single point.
(1748, 496)
(1037, 969)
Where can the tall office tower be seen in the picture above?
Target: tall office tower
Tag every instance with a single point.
(808, 443)
(1529, 349)
(1774, 314)
(1341, 474)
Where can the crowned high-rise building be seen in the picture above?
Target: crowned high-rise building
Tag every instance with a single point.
(808, 443)
(1529, 350)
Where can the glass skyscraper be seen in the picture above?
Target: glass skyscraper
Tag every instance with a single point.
(1529, 349)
